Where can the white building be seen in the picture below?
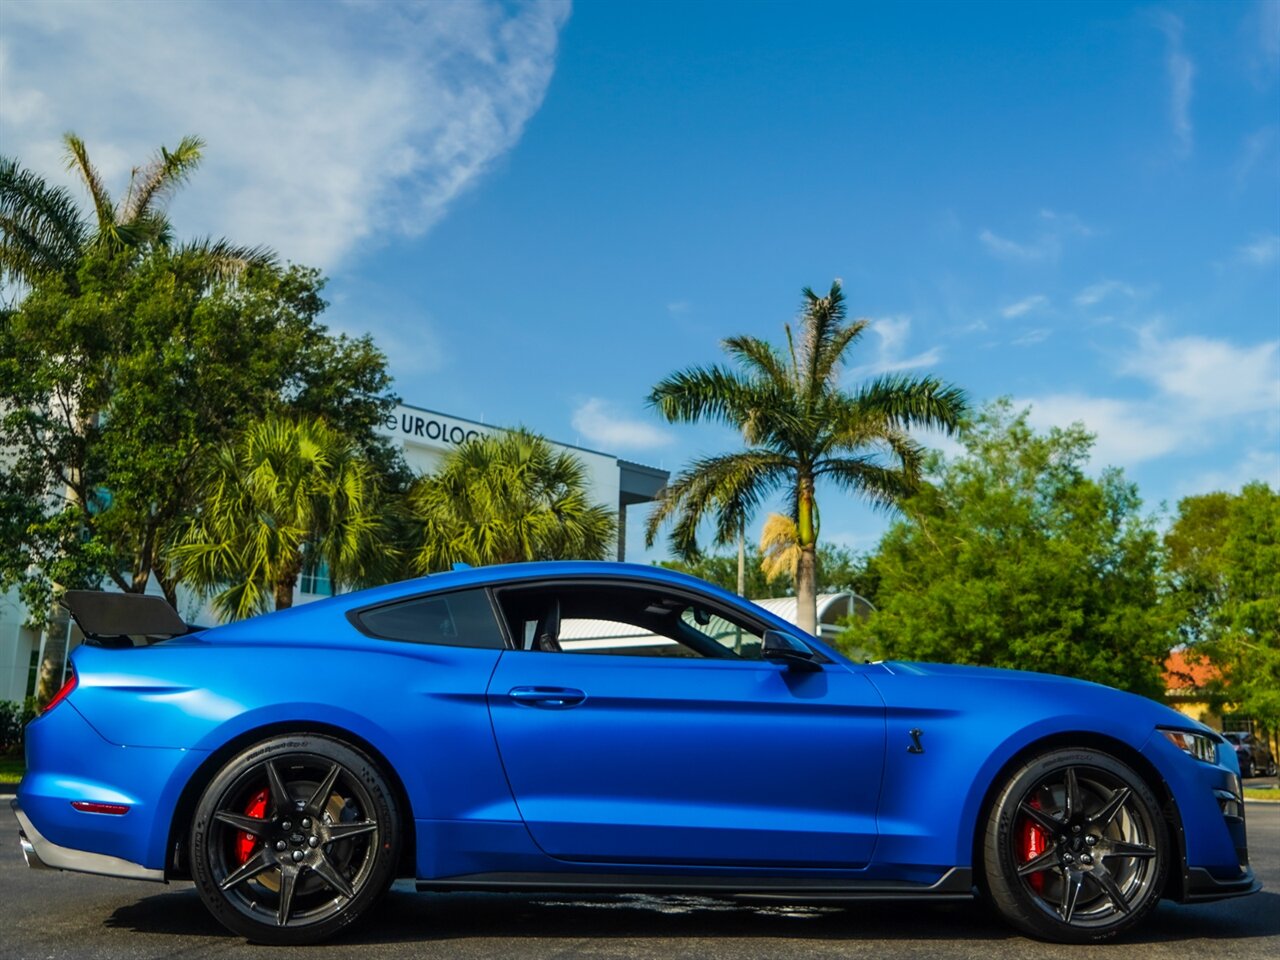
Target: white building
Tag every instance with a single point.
(424, 437)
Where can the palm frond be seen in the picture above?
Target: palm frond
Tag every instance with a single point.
(727, 489)
(155, 182)
(711, 393)
(907, 401)
(41, 227)
(221, 260)
(78, 162)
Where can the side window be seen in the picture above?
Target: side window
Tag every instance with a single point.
(624, 620)
(461, 619)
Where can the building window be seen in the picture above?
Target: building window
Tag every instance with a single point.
(33, 673)
(315, 579)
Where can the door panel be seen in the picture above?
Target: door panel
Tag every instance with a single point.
(695, 761)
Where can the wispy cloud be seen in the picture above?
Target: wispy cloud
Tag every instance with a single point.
(1261, 251)
(893, 334)
(1180, 73)
(1097, 292)
(1046, 246)
(1025, 305)
(329, 126)
(1032, 336)
(678, 307)
(1255, 147)
(594, 419)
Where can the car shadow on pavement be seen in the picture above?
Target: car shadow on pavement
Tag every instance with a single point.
(405, 916)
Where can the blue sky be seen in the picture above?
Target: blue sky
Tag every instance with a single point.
(539, 211)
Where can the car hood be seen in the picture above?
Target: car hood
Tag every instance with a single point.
(1052, 686)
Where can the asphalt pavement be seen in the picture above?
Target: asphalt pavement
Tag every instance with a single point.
(62, 915)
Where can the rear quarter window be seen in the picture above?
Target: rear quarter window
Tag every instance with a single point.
(461, 619)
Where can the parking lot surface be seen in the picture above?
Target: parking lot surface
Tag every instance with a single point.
(55, 915)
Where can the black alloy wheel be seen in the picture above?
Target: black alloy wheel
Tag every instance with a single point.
(1075, 848)
(294, 839)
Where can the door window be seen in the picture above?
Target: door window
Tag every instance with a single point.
(626, 620)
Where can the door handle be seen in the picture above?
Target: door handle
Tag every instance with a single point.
(555, 698)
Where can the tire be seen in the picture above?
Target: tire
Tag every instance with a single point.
(1271, 768)
(294, 839)
(1103, 854)
(1246, 769)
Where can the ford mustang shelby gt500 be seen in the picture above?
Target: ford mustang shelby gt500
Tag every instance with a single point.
(605, 727)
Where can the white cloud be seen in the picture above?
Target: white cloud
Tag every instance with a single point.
(1263, 250)
(1025, 305)
(678, 307)
(1128, 433)
(595, 420)
(329, 126)
(1205, 390)
(1180, 72)
(1213, 377)
(893, 333)
(1097, 292)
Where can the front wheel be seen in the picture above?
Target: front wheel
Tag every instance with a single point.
(294, 839)
(1075, 849)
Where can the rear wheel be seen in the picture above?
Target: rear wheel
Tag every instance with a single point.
(294, 839)
(1075, 849)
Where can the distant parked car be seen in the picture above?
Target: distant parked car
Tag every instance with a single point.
(1253, 753)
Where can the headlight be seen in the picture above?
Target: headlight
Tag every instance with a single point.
(1193, 744)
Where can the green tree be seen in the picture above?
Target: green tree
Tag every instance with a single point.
(1224, 564)
(109, 395)
(1017, 558)
(802, 430)
(280, 493)
(505, 498)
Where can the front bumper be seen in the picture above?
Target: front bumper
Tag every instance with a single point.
(43, 854)
(1201, 886)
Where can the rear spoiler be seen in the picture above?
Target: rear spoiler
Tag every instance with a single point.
(113, 619)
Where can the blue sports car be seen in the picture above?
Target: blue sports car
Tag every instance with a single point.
(605, 727)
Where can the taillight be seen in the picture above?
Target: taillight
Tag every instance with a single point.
(67, 687)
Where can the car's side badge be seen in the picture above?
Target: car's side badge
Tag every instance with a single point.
(916, 746)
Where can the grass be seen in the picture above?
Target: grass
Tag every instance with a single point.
(11, 770)
(1250, 793)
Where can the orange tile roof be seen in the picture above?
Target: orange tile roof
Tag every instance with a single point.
(1181, 674)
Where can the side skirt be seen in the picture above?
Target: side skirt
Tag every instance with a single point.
(955, 884)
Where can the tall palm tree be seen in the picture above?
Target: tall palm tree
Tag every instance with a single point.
(801, 430)
(43, 231)
(281, 493)
(508, 497)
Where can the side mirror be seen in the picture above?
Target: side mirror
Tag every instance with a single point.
(779, 647)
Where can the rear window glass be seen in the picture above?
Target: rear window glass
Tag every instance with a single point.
(462, 619)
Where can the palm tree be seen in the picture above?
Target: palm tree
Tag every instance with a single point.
(505, 498)
(801, 430)
(44, 232)
(281, 493)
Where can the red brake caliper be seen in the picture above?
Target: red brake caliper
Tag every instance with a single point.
(1034, 842)
(257, 808)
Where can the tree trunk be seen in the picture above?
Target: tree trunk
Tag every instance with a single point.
(283, 587)
(284, 591)
(806, 590)
(807, 564)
